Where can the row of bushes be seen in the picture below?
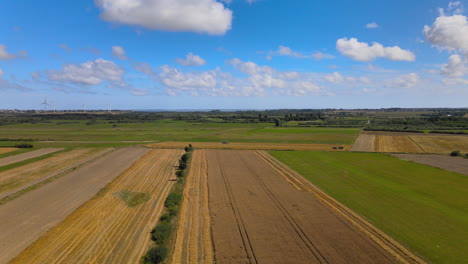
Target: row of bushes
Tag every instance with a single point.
(457, 153)
(24, 145)
(449, 132)
(162, 232)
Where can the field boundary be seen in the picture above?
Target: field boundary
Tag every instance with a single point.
(17, 192)
(390, 245)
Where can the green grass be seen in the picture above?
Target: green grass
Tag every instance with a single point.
(424, 208)
(168, 130)
(132, 199)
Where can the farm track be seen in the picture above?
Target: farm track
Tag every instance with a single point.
(37, 179)
(193, 236)
(250, 146)
(28, 155)
(390, 245)
(105, 229)
(28, 217)
(19, 178)
(258, 218)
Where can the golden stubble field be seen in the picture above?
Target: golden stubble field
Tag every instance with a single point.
(106, 229)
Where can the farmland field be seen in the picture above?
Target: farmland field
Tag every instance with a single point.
(7, 150)
(193, 236)
(108, 228)
(259, 216)
(29, 216)
(397, 196)
(446, 162)
(28, 155)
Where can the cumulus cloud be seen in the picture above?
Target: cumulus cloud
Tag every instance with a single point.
(372, 25)
(322, 56)
(191, 60)
(88, 73)
(5, 55)
(119, 52)
(202, 16)
(9, 85)
(361, 51)
(403, 81)
(449, 33)
(456, 67)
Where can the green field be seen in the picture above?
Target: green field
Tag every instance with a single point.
(168, 130)
(424, 208)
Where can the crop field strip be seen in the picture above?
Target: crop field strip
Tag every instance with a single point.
(396, 196)
(445, 162)
(250, 146)
(257, 217)
(28, 155)
(364, 143)
(193, 242)
(7, 150)
(28, 217)
(20, 178)
(106, 229)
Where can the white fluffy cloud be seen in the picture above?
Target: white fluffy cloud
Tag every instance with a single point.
(403, 81)
(361, 51)
(4, 55)
(449, 32)
(322, 56)
(202, 16)
(88, 73)
(372, 25)
(191, 60)
(119, 52)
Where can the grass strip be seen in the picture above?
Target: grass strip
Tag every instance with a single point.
(161, 234)
(24, 162)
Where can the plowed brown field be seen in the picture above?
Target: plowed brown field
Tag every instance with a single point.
(193, 236)
(446, 162)
(29, 216)
(20, 176)
(105, 229)
(28, 155)
(7, 150)
(364, 143)
(260, 146)
(262, 213)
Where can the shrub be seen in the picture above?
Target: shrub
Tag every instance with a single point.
(161, 233)
(180, 173)
(155, 255)
(466, 156)
(182, 165)
(165, 218)
(24, 145)
(172, 200)
(455, 153)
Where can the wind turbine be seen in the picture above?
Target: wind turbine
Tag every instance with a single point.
(84, 105)
(45, 104)
(110, 108)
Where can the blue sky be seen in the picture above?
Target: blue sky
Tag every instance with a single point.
(237, 54)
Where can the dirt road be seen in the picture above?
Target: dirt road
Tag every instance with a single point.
(193, 236)
(28, 217)
(27, 155)
(260, 215)
(106, 229)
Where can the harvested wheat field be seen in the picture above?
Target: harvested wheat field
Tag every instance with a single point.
(115, 226)
(364, 143)
(28, 155)
(252, 146)
(396, 144)
(455, 164)
(28, 217)
(193, 236)
(7, 150)
(262, 213)
(16, 179)
(442, 144)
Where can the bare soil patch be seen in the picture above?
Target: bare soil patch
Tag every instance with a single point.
(364, 143)
(193, 236)
(455, 164)
(261, 213)
(28, 217)
(27, 155)
(252, 146)
(114, 227)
